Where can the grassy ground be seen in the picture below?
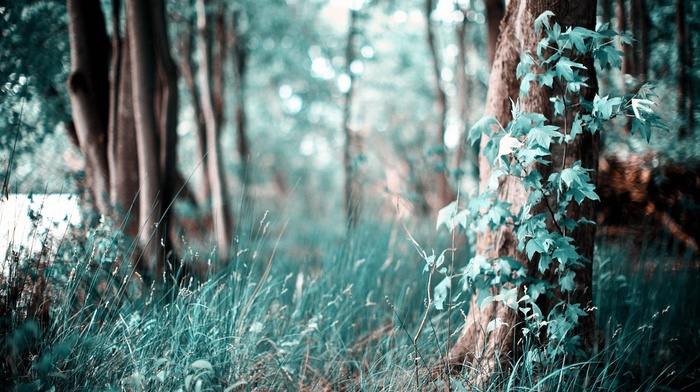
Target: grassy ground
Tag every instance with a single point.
(314, 311)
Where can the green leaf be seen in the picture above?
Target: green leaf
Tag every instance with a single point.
(483, 126)
(543, 20)
(567, 281)
(201, 364)
(543, 136)
(494, 324)
(441, 292)
(564, 68)
(525, 83)
(445, 216)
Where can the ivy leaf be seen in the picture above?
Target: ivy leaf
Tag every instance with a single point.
(534, 245)
(525, 83)
(576, 128)
(445, 216)
(547, 78)
(607, 54)
(495, 324)
(535, 290)
(543, 135)
(543, 20)
(564, 68)
(483, 126)
(567, 281)
(441, 292)
(508, 145)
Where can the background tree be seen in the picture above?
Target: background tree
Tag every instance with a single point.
(150, 77)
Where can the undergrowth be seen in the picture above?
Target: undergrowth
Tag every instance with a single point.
(345, 321)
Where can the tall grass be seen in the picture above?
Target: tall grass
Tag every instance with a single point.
(325, 313)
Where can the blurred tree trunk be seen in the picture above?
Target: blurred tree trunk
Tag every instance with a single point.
(220, 210)
(88, 86)
(122, 136)
(640, 29)
(125, 127)
(462, 82)
(189, 70)
(685, 88)
(239, 51)
(485, 352)
(445, 194)
(494, 15)
(351, 148)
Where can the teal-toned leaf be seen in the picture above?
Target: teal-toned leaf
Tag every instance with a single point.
(495, 324)
(525, 83)
(564, 68)
(566, 282)
(445, 215)
(543, 136)
(441, 292)
(483, 126)
(201, 364)
(543, 20)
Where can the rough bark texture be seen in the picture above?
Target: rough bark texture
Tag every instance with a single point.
(222, 230)
(88, 86)
(485, 352)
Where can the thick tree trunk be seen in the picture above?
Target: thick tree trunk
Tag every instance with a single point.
(143, 73)
(445, 194)
(88, 86)
(487, 351)
(222, 230)
(350, 151)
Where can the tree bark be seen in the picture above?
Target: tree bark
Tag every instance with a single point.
(494, 14)
(486, 352)
(443, 187)
(88, 87)
(166, 110)
(143, 75)
(222, 230)
(121, 153)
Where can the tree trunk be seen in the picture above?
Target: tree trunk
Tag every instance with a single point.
(222, 230)
(239, 52)
(166, 110)
(463, 88)
(494, 15)
(143, 73)
(189, 70)
(487, 351)
(88, 86)
(443, 188)
(350, 153)
(685, 104)
(121, 154)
